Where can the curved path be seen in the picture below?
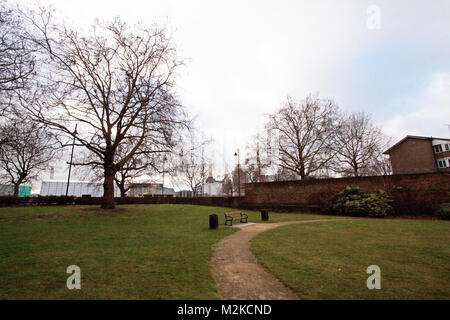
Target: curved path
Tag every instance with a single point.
(237, 272)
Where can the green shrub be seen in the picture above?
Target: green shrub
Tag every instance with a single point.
(443, 212)
(353, 202)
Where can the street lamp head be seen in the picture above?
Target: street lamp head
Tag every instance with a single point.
(235, 154)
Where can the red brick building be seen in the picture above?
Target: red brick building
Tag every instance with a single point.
(415, 154)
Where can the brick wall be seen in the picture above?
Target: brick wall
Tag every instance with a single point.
(413, 194)
(232, 202)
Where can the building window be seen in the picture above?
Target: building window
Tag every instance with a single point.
(438, 148)
(443, 163)
(447, 147)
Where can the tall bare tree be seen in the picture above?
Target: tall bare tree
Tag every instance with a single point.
(117, 82)
(359, 146)
(303, 133)
(26, 150)
(17, 61)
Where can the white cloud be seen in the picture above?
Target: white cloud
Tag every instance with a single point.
(432, 114)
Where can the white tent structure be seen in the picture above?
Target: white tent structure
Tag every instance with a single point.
(76, 188)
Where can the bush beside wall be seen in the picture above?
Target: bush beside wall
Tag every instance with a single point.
(353, 202)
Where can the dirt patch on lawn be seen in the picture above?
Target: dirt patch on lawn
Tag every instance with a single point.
(46, 218)
(98, 211)
(83, 213)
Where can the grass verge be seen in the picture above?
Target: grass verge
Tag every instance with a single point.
(132, 252)
(329, 260)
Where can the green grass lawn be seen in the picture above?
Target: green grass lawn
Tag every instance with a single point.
(134, 252)
(329, 260)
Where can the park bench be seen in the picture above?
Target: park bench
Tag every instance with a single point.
(230, 216)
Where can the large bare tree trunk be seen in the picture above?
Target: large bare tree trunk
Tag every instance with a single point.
(108, 189)
(16, 190)
(123, 192)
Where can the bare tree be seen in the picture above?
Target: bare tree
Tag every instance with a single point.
(191, 168)
(256, 159)
(17, 61)
(359, 146)
(239, 178)
(381, 165)
(283, 174)
(117, 83)
(133, 169)
(303, 133)
(227, 186)
(26, 149)
(146, 163)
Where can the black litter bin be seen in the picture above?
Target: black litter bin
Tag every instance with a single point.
(265, 215)
(213, 221)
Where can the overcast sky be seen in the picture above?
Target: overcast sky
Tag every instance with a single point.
(245, 57)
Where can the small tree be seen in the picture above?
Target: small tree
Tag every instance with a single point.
(191, 168)
(145, 162)
(256, 159)
(133, 169)
(227, 186)
(26, 149)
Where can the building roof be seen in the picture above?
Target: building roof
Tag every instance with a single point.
(73, 181)
(211, 180)
(412, 137)
(144, 184)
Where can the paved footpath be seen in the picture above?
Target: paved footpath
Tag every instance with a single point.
(237, 272)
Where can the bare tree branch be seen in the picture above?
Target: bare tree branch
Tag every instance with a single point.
(26, 149)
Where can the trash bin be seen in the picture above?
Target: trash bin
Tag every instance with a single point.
(265, 215)
(213, 221)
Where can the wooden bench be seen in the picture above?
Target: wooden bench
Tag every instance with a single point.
(230, 216)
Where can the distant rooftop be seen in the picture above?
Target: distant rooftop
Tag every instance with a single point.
(413, 137)
(72, 181)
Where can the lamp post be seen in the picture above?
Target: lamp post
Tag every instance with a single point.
(164, 162)
(239, 173)
(71, 158)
